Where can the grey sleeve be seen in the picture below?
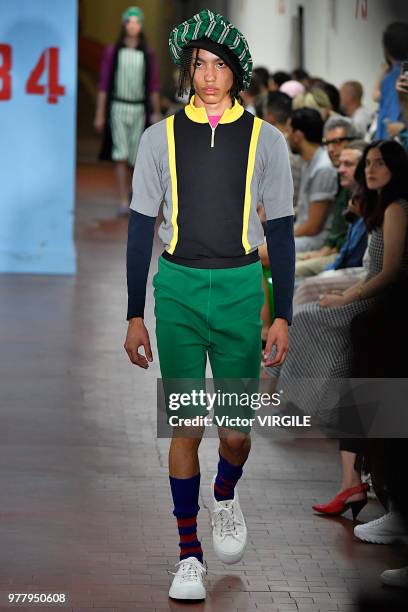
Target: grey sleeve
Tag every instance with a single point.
(323, 185)
(147, 188)
(276, 184)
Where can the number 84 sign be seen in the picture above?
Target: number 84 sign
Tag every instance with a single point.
(47, 65)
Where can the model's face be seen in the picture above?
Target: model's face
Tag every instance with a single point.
(376, 172)
(335, 141)
(133, 27)
(349, 159)
(213, 79)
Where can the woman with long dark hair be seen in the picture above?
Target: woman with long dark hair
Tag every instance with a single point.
(320, 337)
(128, 98)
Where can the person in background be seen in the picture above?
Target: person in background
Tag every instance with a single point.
(346, 268)
(349, 267)
(262, 74)
(332, 93)
(384, 206)
(395, 44)
(402, 89)
(318, 183)
(345, 161)
(292, 88)
(277, 79)
(351, 95)
(250, 96)
(277, 112)
(302, 76)
(317, 99)
(128, 99)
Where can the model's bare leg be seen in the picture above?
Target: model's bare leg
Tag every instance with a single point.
(234, 446)
(183, 457)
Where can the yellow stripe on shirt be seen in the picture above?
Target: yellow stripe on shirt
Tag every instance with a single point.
(173, 178)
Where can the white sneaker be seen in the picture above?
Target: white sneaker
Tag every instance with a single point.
(396, 577)
(385, 530)
(188, 581)
(229, 529)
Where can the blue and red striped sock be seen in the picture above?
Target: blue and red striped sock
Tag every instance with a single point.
(226, 479)
(185, 493)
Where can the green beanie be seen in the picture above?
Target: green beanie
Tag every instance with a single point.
(133, 11)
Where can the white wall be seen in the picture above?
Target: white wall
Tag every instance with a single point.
(269, 34)
(338, 46)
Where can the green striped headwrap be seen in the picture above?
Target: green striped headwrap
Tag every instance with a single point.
(218, 29)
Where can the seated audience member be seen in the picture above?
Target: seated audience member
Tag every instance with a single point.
(293, 89)
(262, 74)
(302, 76)
(338, 132)
(331, 92)
(315, 98)
(395, 44)
(277, 111)
(349, 267)
(379, 338)
(277, 79)
(351, 95)
(320, 335)
(250, 95)
(318, 181)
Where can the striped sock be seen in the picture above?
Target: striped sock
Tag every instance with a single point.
(185, 493)
(226, 479)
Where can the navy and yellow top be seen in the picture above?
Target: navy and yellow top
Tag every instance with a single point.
(210, 181)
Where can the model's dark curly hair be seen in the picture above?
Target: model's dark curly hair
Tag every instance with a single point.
(186, 78)
(374, 204)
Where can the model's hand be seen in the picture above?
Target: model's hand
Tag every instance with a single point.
(278, 336)
(99, 124)
(137, 336)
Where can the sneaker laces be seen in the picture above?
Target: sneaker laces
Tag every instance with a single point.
(226, 522)
(191, 569)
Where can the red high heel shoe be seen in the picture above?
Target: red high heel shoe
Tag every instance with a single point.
(339, 504)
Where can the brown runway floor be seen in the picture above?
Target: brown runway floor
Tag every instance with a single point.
(85, 502)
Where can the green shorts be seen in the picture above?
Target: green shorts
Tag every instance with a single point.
(215, 312)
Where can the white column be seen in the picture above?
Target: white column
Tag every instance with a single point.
(38, 55)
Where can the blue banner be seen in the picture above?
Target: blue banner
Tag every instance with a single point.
(38, 81)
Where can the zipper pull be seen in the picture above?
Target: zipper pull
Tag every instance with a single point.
(212, 137)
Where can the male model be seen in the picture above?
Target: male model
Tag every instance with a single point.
(210, 164)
